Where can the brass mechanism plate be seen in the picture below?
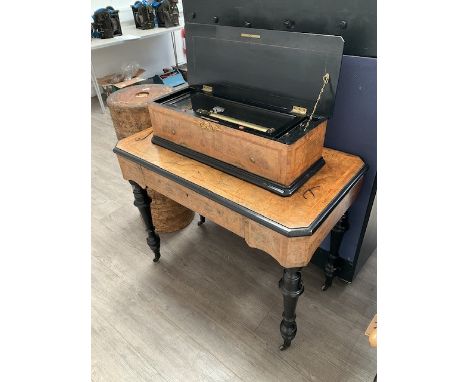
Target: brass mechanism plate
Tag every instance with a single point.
(299, 110)
(207, 89)
(250, 35)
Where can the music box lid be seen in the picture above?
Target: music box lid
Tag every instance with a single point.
(274, 69)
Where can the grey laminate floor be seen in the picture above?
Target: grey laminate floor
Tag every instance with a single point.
(210, 309)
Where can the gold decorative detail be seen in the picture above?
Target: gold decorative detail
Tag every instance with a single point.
(209, 126)
(250, 35)
(252, 126)
(242, 124)
(325, 79)
(299, 110)
(207, 88)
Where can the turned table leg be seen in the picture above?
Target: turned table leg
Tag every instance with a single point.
(291, 287)
(202, 220)
(143, 202)
(336, 238)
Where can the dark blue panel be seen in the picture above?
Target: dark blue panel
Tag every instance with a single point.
(353, 129)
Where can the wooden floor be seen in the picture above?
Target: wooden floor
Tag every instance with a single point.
(210, 309)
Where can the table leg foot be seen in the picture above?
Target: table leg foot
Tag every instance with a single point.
(201, 221)
(143, 203)
(327, 284)
(285, 345)
(336, 238)
(291, 288)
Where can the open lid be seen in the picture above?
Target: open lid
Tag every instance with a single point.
(273, 69)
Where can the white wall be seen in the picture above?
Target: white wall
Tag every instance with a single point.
(152, 53)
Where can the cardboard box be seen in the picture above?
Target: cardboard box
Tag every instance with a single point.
(114, 82)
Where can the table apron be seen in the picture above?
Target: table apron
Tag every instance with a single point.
(288, 251)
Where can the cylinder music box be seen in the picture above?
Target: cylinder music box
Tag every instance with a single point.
(257, 104)
(129, 111)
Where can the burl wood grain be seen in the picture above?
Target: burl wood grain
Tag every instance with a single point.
(129, 107)
(270, 159)
(297, 211)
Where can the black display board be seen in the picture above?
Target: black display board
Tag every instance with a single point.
(354, 20)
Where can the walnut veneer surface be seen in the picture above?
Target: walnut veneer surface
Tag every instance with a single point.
(267, 158)
(295, 211)
(139, 159)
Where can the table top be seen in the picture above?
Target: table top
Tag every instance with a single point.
(130, 32)
(297, 215)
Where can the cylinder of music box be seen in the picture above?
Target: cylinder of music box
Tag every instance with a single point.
(129, 112)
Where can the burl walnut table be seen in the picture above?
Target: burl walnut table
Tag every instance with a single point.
(289, 229)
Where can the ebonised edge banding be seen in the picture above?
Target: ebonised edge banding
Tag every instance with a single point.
(275, 226)
(260, 181)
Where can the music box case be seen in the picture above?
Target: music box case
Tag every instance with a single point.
(256, 105)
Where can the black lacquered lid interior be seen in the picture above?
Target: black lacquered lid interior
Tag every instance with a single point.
(267, 68)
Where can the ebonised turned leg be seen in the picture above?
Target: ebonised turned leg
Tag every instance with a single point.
(143, 202)
(202, 220)
(291, 287)
(336, 238)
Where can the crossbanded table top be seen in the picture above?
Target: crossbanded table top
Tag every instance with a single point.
(297, 215)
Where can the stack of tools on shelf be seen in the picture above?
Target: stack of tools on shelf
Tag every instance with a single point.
(106, 23)
(144, 14)
(168, 14)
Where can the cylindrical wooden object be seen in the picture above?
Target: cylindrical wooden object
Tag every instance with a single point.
(129, 107)
(129, 111)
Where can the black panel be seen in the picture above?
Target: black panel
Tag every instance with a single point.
(355, 20)
(270, 69)
(353, 129)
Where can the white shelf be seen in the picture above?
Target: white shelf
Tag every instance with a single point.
(130, 33)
